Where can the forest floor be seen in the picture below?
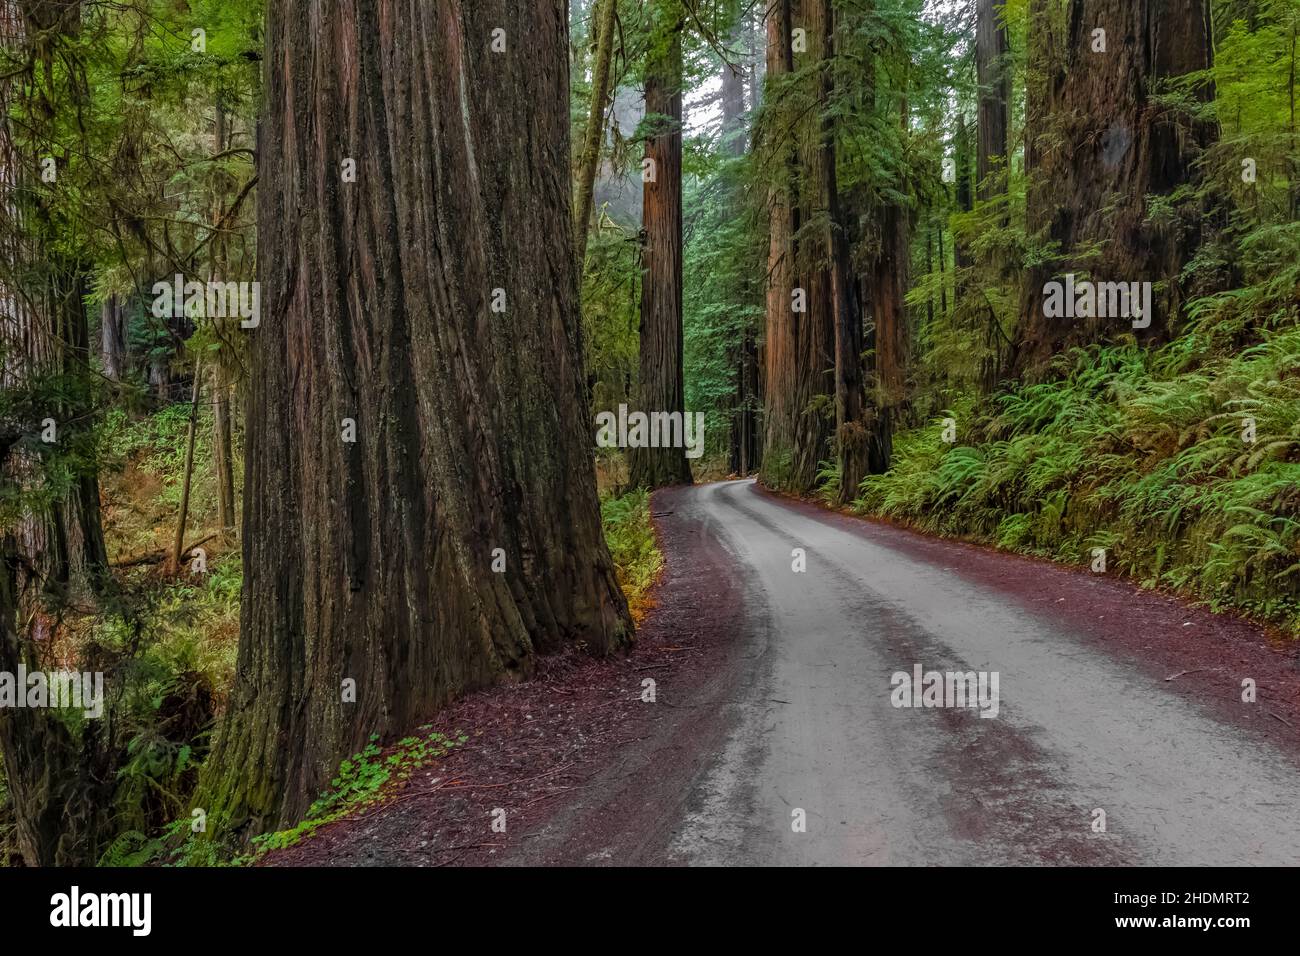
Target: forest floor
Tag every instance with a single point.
(772, 695)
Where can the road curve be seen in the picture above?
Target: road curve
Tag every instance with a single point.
(811, 726)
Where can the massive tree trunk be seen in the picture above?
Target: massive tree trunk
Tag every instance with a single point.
(1100, 145)
(603, 20)
(780, 408)
(850, 435)
(661, 386)
(800, 345)
(429, 311)
(815, 328)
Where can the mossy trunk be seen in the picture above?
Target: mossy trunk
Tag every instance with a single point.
(1100, 143)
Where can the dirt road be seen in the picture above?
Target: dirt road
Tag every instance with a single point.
(774, 737)
(1076, 731)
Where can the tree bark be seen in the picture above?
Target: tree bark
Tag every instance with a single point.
(780, 370)
(371, 561)
(113, 338)
(815, 328)
(661, 386)
(850, 435)
(1100, 145)
(884, 287)
(994, 78)
(603, 21)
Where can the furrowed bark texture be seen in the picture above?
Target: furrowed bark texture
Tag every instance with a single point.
(800, 344)
(1100, 145)
(780, 412)
(815, 328)
(661, 386)
(883, 287)
(372, 561)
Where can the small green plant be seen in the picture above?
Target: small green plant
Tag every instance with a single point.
(361, 780)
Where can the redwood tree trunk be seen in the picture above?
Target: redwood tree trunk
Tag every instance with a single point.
(661, 386)
(371, 561)
(780, 370)
(815, 338)
(850, 435)
(1100, 145)
(884, 288)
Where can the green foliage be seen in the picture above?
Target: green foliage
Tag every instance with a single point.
(1117, 453)
(724, 253)
(361, 781)
(629, 532)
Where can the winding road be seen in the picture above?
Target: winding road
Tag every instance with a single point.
(1080, 727)
(773, 737)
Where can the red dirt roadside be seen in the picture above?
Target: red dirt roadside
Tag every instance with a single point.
(574, 750)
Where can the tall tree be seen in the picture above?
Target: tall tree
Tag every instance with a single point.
(1103, 143)
(661, 385)
(604, 19)
(994, 78)
(780, 408)
(815, 323)
(745, 451)
(850, 435)
(420, 513)
(45, 337)
(800, 345)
